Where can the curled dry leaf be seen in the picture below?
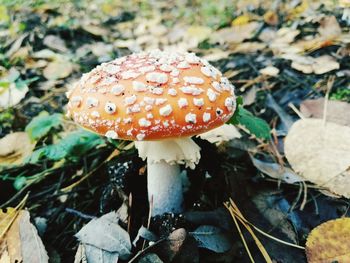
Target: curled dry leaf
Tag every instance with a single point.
(221, 134)
(337, 111)
(15, 147)
(320, 153)
(329, 242)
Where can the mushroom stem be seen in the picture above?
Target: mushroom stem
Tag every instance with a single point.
(164, 187)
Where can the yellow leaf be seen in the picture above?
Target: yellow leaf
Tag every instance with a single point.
(4, 17)
(240, 20)
(199, 32)
(329, 242)
(6, 219)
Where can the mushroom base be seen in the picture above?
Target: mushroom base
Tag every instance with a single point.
(164, 187)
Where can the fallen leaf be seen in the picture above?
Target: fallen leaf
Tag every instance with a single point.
(15, 147)
(145, 234)
(276, 213)
(32, 248)
(277, 171)
(329, 27)
(235, 34)
(216, 54)
(12, 95)
(212, 238)
(55, 43)
(308, 64)
(337, 111)
(270, 71)
(22, 242)
(247, 47)
(105, 234)
(58, 69)
(320, 153)
(329, 242)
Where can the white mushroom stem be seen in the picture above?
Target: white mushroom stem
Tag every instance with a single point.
(164, 186)
(163, 178)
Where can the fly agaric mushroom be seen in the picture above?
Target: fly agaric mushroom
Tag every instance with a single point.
(158, 99)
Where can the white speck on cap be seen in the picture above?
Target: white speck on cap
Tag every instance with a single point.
(191, 118)
(76, 101)
(206, 116)
(95, 114)
(160, 101)
(111, 134)
(157, 77)
(110, 107)
(143, 122)
(216, 86)
(139, 86)
(149, 100)
(183, 65)
(91, 102)
(211, 95)
(129, 74)
(130, 100)
(219, 111)
(175, 80)
(229, 103)
(198, 102)
(149, 116)
(111, 68)
(193, 80)
(146, 69)
(157, 91)
(166, 110)
(175, 72)
(134, 108)
(166, 67)
(140, 136)
(172, 92)
(182, 102)
(192, 58)
(191, 90)
(117, 89)
(148, 107)
(129, 132)
(127, 120)
(207, 72)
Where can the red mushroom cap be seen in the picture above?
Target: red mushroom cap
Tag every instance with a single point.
(151, 96)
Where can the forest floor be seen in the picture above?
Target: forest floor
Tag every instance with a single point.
(289, 62)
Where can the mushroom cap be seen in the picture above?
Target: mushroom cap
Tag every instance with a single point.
(151, 96)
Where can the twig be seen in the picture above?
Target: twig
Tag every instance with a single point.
(330, 83)
(78, 213)
(301, 116)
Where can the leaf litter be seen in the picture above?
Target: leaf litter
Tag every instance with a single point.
(278, 56)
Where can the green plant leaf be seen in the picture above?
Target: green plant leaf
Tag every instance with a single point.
(73, 146)
(254, 125)
(41, 125)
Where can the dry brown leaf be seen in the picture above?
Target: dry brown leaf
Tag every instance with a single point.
(14, 148)
(329, 242)
(337, 111)
(55, 43)
(270, 71)
(235, 34)
(21, 242)
(308, 64)
(248, 47)
(329, 27)
(58, 69)
(216, 54)
(320, 153)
